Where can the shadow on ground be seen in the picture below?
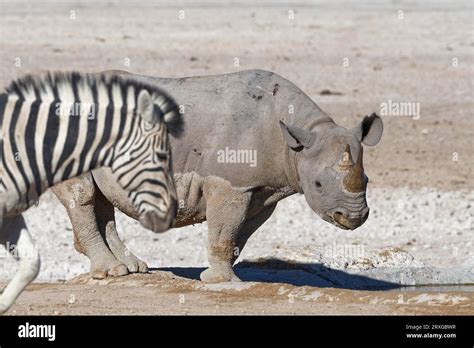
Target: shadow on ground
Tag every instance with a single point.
(298, 274)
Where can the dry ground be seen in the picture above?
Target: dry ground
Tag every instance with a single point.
(364, 54)
(164, 293)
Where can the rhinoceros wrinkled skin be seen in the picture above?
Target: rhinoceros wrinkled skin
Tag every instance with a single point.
(285, 144)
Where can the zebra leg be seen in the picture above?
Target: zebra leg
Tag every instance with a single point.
(226, 211)
(105, 215)
(16, 238)
(78, 196)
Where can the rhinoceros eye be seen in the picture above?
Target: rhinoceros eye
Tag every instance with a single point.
(318, 184)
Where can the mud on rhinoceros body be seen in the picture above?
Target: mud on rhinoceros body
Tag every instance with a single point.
(303, 151)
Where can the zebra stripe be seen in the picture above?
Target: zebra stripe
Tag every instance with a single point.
(46, 137)
(3, 105)
(64, 124)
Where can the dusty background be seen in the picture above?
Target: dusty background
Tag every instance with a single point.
(364, 53)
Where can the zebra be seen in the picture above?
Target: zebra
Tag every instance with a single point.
(59, 125)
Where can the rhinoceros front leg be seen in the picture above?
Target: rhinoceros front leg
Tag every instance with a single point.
(78, 196)
(249, 227)
(105, 214)
(227, 211)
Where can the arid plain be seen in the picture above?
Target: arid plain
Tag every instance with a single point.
(352, 59)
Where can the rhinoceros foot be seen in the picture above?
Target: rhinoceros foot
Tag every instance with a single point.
(102, 271)
(134, 264)
(122, 253)
(219, 273)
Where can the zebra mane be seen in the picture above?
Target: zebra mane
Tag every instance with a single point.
(46, 87)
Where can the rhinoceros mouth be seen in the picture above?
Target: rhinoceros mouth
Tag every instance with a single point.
(341, 221)
(328, 217)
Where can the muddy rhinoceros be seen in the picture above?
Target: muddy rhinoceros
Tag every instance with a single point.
(252, 138)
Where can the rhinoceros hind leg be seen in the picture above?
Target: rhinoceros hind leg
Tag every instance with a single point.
(106, 221)
(78, 196)
(99, 271)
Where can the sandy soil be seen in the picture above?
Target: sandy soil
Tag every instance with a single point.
(427, 228)
(366, 54)
(404, 60)
(164, 293)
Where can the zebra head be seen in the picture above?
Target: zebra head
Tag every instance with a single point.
(123, 124)
(143, 165)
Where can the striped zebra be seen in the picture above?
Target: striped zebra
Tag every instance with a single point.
(60, 125)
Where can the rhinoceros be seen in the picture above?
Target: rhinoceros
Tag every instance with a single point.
(252, 138)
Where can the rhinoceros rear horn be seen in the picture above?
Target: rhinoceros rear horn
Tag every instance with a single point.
(346, 162)
(354, 180)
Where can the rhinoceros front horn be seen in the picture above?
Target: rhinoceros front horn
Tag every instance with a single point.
(354, 180)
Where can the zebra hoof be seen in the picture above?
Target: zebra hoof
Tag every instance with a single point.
(3, 308)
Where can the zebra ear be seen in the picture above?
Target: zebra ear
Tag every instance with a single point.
(145, 107)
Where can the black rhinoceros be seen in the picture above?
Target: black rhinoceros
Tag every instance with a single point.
(252, 138)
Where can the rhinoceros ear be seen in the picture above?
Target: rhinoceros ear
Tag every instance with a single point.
(297, 138)
(370, 130)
